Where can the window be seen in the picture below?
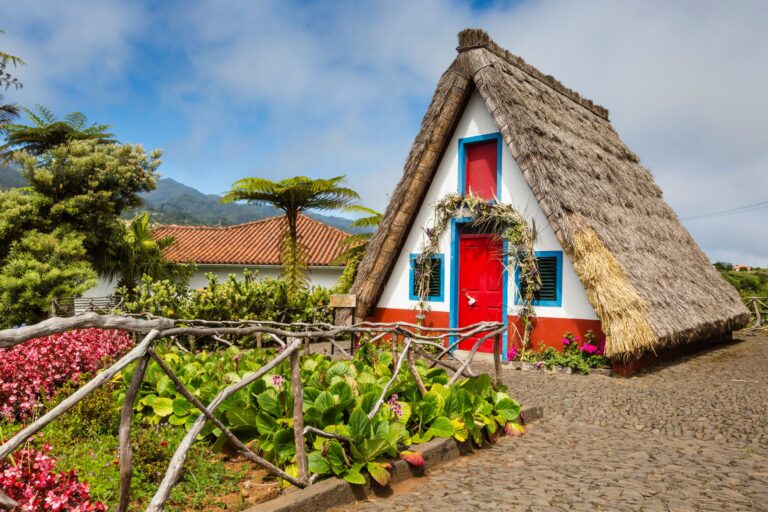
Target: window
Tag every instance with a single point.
(480, 166)
(435, 280)
(550, 265)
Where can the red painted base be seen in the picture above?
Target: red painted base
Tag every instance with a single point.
(648, 361)
(548, 332)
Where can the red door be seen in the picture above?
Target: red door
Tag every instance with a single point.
(480, 283)
(481, 169)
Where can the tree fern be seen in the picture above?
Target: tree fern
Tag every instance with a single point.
(293, 196)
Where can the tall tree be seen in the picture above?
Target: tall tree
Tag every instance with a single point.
(41, 267)
(84, 186)
(293, 196)
(47, 132)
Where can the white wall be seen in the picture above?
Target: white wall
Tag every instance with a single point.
(318, 276)
(476, 120)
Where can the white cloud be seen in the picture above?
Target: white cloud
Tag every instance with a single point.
(278, 88)
(73, 50)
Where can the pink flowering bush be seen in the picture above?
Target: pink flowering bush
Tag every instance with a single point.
(30, 478)
(35, 369)
(577, 353)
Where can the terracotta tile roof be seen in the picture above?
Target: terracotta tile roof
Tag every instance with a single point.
(252, 243)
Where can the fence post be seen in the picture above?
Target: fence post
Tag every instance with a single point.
(758, 317)
(497, 358)
(343, 306)
(298, 417)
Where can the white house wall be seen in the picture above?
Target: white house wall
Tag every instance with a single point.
(476, 120)
(326, 277)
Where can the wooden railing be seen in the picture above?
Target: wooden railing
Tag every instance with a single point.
(759, 308)
(407, 341)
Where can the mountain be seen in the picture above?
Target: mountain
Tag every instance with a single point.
(175, 203)
(11, 178)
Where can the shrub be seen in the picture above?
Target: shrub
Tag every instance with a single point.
(338, 396)
(30, 478)
(35, 369)
(248, 298)
(577, 354)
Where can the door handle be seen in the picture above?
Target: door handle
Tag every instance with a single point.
(470, 300)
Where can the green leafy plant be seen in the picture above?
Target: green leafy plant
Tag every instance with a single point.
(339, 397)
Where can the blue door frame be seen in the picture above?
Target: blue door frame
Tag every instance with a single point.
(456, 226)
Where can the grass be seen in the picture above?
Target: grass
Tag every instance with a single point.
(752, 283)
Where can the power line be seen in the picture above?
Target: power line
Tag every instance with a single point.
(741, 209)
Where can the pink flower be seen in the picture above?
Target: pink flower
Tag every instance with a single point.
(512, 354)
(277, 381)
(35, 484)
(32, 371)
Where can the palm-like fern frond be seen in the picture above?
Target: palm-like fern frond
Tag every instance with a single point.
(47, 132)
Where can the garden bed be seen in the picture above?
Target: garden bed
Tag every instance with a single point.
(533, 367)
(360, 414)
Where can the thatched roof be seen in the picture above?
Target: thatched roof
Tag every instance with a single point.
(646, 278)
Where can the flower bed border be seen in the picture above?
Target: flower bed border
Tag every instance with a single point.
(334, 492)
(531, 367)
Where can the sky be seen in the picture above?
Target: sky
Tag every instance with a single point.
(230, 89)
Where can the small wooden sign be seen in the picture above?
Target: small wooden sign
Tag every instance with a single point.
(347, 300)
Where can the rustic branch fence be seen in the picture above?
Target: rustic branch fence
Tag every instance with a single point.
(759, 308)
(407, 341)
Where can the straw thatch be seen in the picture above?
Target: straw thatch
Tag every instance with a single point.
(649, 282)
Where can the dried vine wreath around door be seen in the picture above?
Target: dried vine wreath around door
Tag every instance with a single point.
(495, 218)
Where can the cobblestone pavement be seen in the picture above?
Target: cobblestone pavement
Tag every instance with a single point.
(688, 436)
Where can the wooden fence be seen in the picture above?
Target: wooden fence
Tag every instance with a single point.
(759, 308)
(407, 341)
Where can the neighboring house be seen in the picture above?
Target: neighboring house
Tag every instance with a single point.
(613, 256)
(741, 268)
(253, 245)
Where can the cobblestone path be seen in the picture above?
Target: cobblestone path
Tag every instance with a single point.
(688, 436)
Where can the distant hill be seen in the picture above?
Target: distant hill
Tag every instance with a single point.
(11, 178)
(175, 203)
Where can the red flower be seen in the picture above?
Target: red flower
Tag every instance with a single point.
(35, 369)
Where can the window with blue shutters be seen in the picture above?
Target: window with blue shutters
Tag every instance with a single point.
(435, 281)
(550, 266)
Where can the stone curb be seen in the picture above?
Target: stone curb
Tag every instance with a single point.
(333, 492)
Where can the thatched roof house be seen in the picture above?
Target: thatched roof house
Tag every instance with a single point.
(649, 284)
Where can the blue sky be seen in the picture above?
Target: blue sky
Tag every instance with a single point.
(230, 89)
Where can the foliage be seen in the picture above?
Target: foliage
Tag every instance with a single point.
(30, 478)
(8, 111)
(85, 186)
(293, 196)
(749, 283)
(492, 217)
(577, 354)
(248, 298)
(35, 369)
(93, 452)
(338, 396)
(19, 214)
(139, 254)
(47, 132)
(39, 268)
(356, 245)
